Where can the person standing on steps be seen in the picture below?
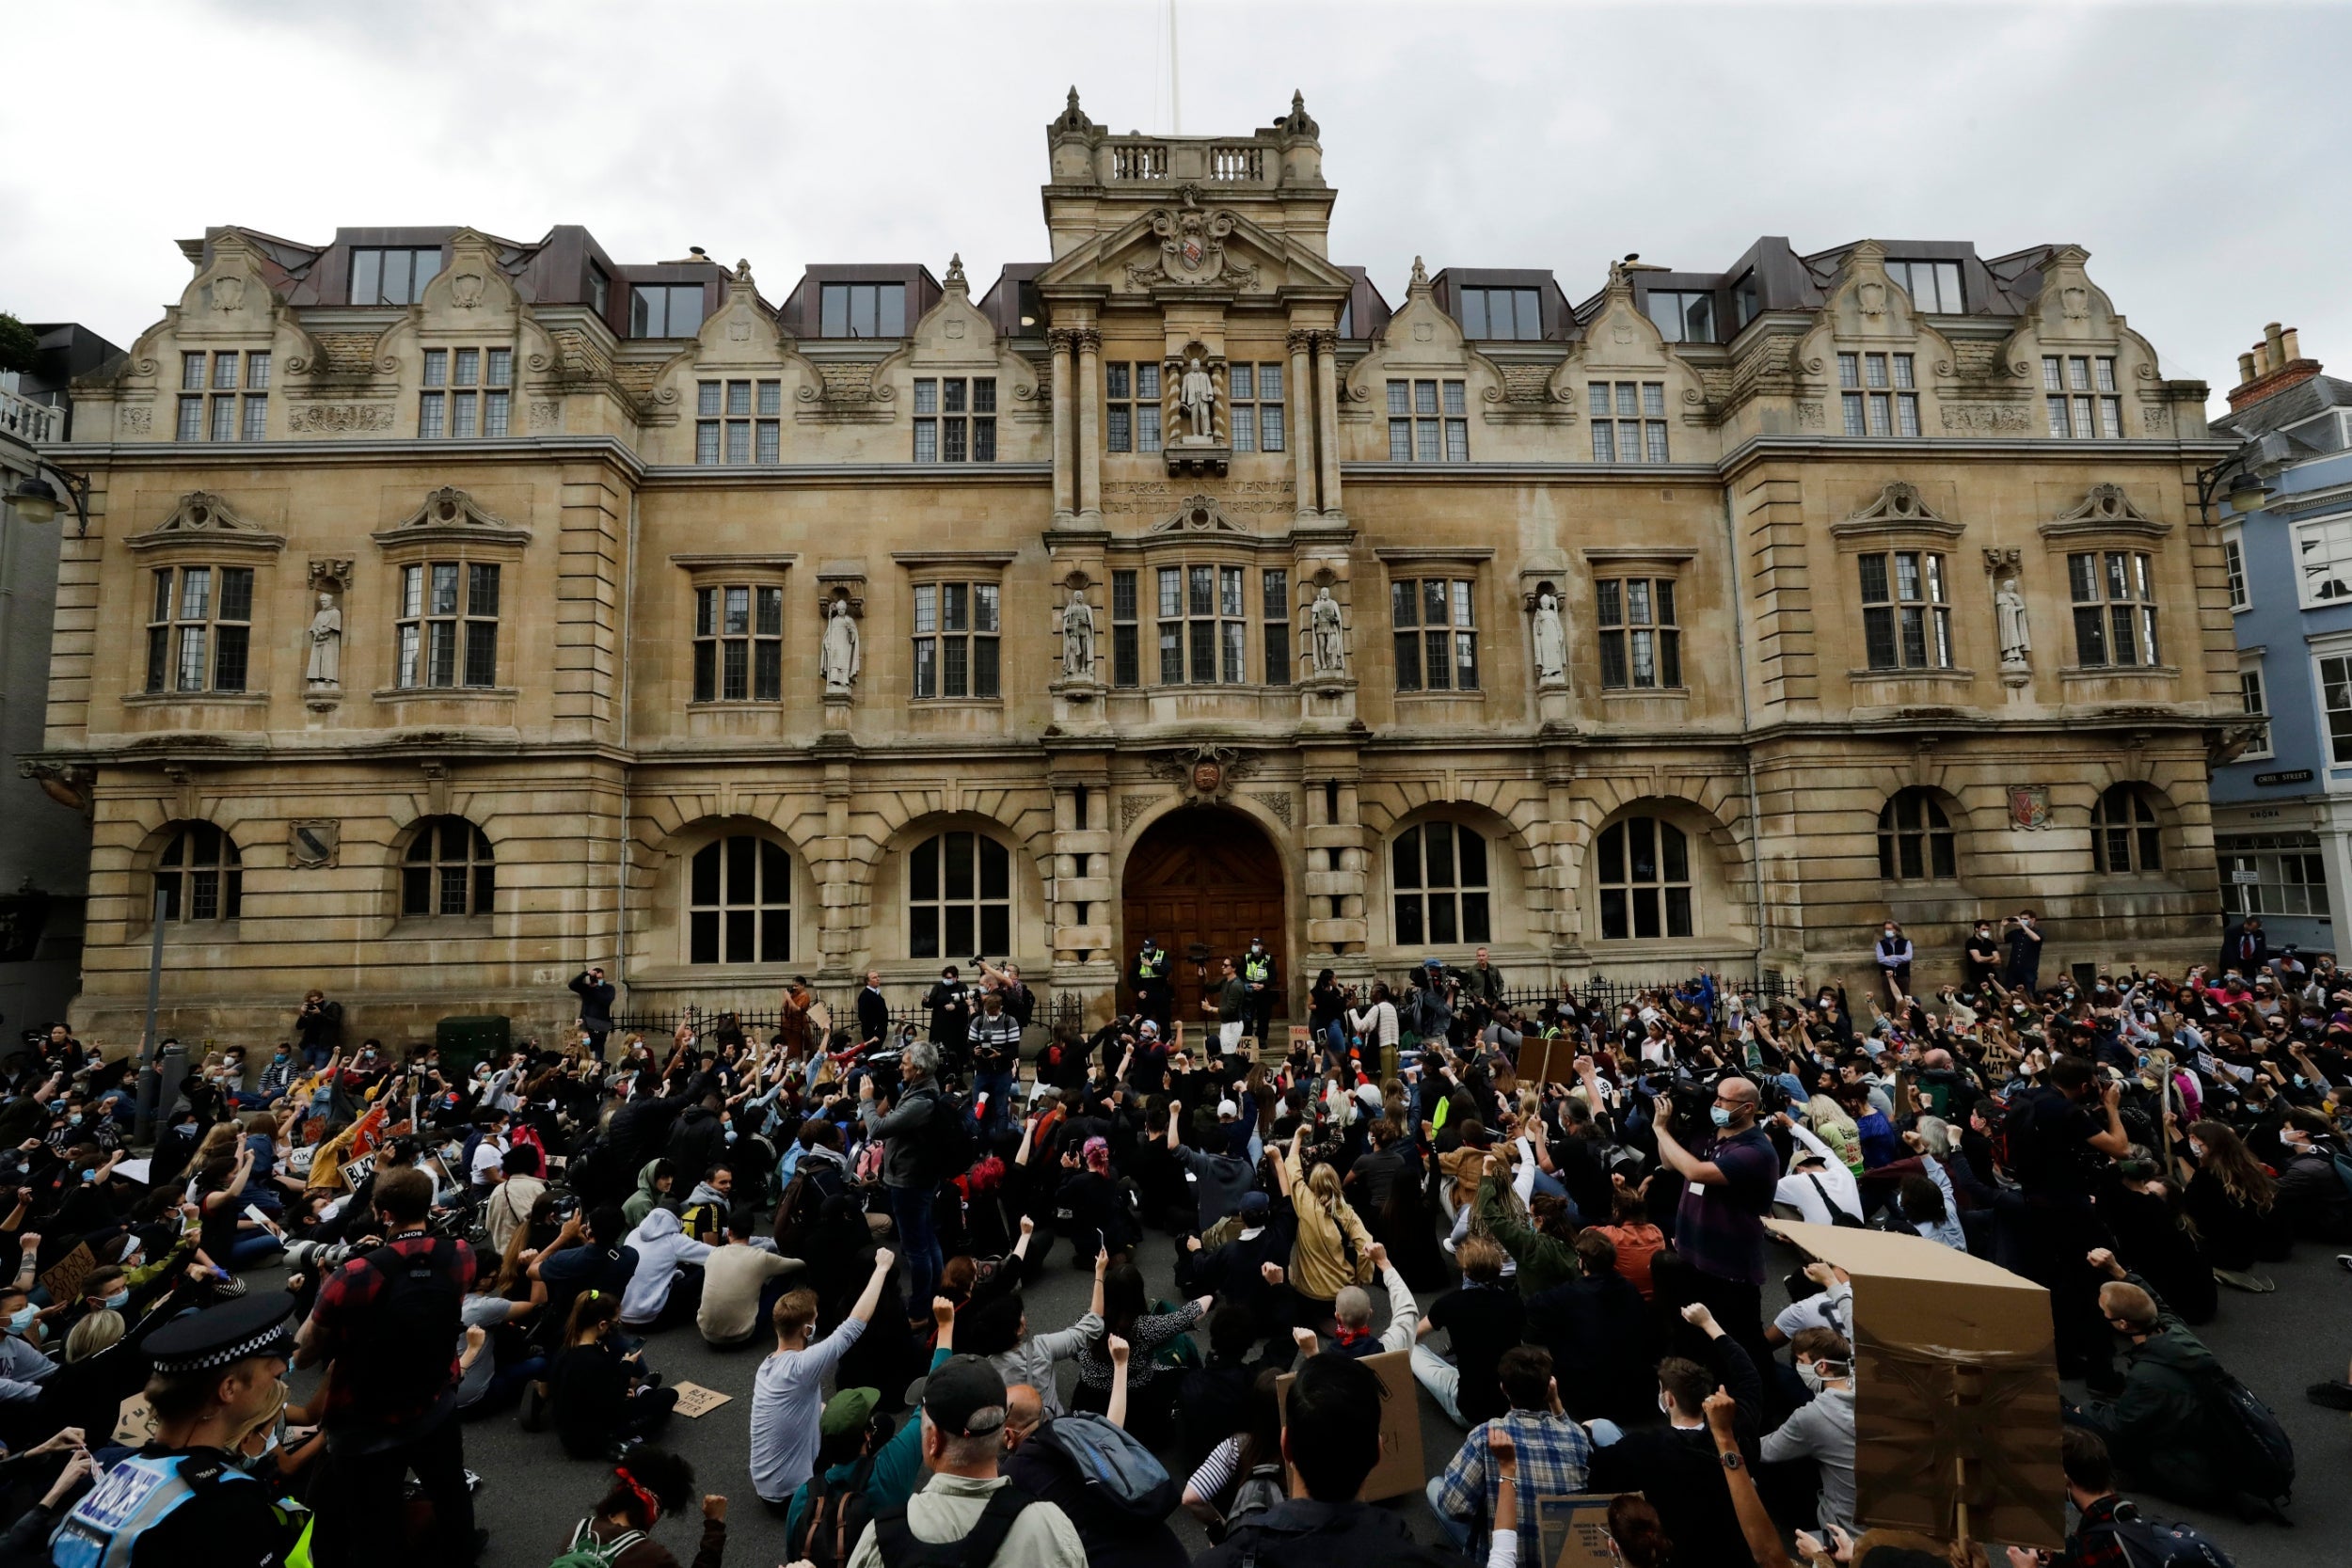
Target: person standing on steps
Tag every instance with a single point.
(595, 995)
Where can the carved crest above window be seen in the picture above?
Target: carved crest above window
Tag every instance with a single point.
(451, 516)
(1900, 509)
(1192, 250)
(1199, 514)
(2107, 510)
(202, 517)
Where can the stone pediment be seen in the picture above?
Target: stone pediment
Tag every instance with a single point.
(451, 516)
(1900, 509)
(1192, 244)
(2107, 510)
(203, 519)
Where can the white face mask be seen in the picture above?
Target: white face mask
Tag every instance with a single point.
(1665, 1407)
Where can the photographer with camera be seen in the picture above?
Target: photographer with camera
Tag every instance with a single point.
(1728, 1186)
(996, 1039)
(319, 1028)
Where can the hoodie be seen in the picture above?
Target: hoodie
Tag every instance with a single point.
(645, 1200)
(705, 1214)
(699, 1141)
(661, 1246)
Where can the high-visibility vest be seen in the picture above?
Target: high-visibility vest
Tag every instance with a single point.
(1255, 968)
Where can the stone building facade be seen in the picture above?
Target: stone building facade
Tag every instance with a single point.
(458, 611)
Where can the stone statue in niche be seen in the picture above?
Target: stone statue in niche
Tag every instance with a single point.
(1078, 638)
(1324, 646)
(838, 657)
(1196, 394)
(326, 668)
(2008, 607)
(1552, 641)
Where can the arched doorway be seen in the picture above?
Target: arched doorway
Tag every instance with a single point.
(1207, 875)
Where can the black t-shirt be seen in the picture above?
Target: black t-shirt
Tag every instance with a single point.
(2048, 1138)
(1480, 1322)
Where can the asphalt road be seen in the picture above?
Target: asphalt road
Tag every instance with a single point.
(531, 1494)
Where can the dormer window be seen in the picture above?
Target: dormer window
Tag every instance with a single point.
(1934, 286)
(1501, 313)
(392, 275)
(665, 309)
(1683, 316)
(862, 311)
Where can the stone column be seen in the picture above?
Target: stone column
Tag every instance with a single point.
(1327, 420)
(841, 920)
(1085, 900)
(1338, 859)
(1302, 424)
(1065, 472)
(1089, 393)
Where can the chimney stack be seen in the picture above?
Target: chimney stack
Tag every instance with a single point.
(2275, 364)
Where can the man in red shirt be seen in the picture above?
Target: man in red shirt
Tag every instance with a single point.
(387, 1324)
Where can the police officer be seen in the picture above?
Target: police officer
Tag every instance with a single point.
(1257, 973)
(182, 1500)
(1155, 999)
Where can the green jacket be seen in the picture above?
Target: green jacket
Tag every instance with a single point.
(1544, 1261)
(645, 1200)
(2156, 1428)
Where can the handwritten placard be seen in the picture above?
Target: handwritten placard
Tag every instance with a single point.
(695, 1399)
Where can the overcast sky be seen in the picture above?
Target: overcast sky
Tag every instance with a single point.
(2198, 153)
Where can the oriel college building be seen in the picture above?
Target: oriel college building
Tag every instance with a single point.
(455, 612)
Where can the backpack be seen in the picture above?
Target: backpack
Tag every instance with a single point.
(1117, 1469)
(836, 1518)
(902, 1548)
(2342, 1164)
(796, 1213)
(409, 1326)
(1260, 1490)
(948, 1136)
(2153, 1544)
(583, 1552)
(2256, 1455)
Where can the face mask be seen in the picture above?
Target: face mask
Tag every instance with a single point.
(1719, 1116)
(1890, 930)
(114, 1302)
(730, 1135)
(1663, 1407)
(21, 1320)
(1809, 1373)
(2196, 1148)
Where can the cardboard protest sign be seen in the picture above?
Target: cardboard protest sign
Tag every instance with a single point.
(1551, 1061)
(1573, 1530)
(1956, 1407)
(135, 1422)
(695, 1399)
(1399, 1470)
(63, 1279)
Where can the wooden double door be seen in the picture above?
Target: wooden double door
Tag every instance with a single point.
(1202, 874)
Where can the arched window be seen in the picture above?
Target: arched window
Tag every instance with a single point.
(738, 895)
(958, 896)
(1915, 839)
(1439, 879)
(201, 875)
(448, 871)
(1644, 864)
(2126, 837)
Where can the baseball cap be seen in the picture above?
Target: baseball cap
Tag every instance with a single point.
(1254, 1206)
(1226, 1108)
(965, 1398)
(848, 1410)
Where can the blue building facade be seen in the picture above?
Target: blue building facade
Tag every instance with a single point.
(2282, 806)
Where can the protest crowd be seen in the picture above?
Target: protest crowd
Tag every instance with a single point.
(1578, 1186)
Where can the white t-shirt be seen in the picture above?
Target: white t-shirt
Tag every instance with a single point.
(487, 1156)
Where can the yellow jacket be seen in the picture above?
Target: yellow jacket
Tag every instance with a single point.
(1319, 1266)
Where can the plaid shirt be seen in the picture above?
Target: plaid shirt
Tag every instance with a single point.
(2102, 1550)
(1554, 1456)
(340, 1323)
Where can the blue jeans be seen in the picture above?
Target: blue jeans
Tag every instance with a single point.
(1456, 1532)
(918, 1244)
(248, 1250)
(998, 1085)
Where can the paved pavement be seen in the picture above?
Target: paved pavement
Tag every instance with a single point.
(531, 1494)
